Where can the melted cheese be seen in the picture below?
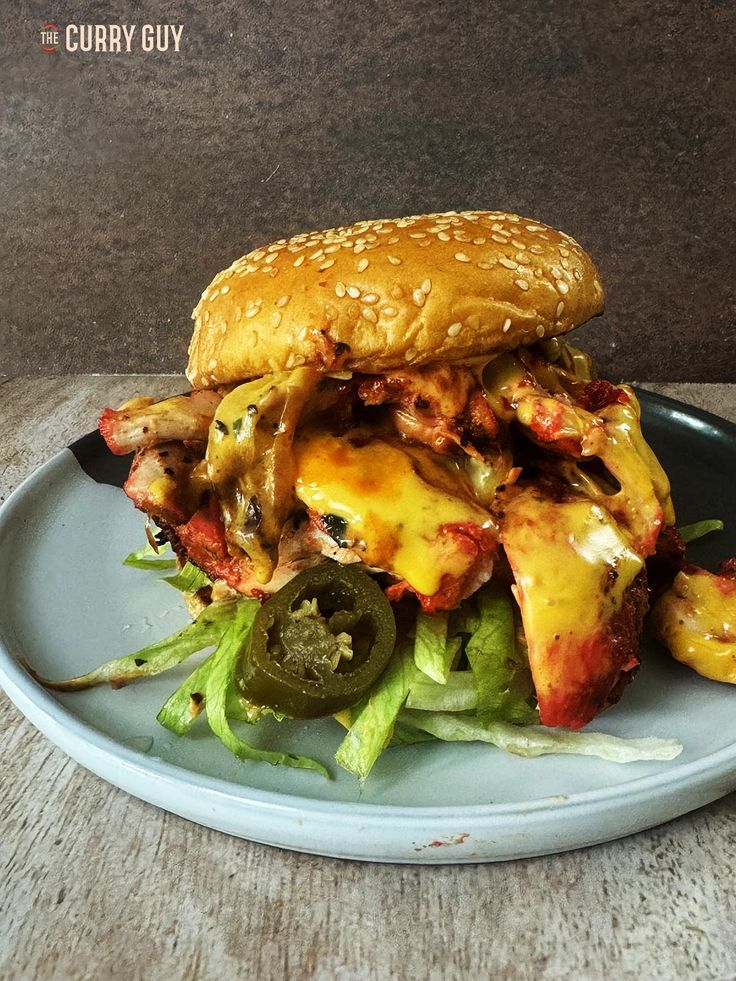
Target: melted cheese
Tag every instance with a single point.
(614, 435)
(395, 517)
(572, 565)
(696, 619)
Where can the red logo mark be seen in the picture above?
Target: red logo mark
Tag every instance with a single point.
(49, 37)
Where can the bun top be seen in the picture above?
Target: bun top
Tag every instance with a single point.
(382, 295)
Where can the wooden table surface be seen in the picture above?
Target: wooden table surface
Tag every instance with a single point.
(98, 885)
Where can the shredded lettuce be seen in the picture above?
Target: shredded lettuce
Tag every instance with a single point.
(406, 735)
(699, 529)
(373, 721)
(189, 579)
(210, 687)
(148, 558)
(538, 740)
(205, 631)
(420, 697)
(499, 669)
(458, 694)
(434, 652)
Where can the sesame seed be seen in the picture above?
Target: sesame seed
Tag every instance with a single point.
(522, 284)
(317, 255)
(426, 285)
(359, 247)
(454, 329)
(302, 335)
(496, 227)
(461, 257)
(517, 244)
(332, 248)
(485, 265)
(534, 228)
(283, 300)
(479, 241)
(576, 274)
(393, 240)
(257, 256)
(508, 263)
(513, 218)
(212, 364)
(299, 360)
(506, 325)
(362, 265)
(214, 294)
(410, 354)
(540, 330)
(417, 235)
(563, 251)
(560, 308)
(326, 264)
(271, 258)
(556, 272)
(206, 316)
(370, 298)
(275, 318)
(425, 243)
(394, 260)
(562, 286)
(224, 289)
(499, 238)
(389, 311)
(251, 312)
(340, 289)
(290, 361)
(369, 314)
(353, 291)
(297, 262)
(418, 297)
(443, 236)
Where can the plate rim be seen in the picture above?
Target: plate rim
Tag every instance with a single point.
(20, 686)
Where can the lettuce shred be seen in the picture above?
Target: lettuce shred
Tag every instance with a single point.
(699, 529)
(454, 677)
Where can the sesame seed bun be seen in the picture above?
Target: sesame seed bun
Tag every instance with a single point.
(392, 293)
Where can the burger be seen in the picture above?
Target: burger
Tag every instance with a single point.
(391, 413)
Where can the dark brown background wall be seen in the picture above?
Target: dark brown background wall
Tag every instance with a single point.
(129, 180)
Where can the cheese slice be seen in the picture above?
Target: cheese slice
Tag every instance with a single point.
(397, 520)
(696, 619)
(572, 565)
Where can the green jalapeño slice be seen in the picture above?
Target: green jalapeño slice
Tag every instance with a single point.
(320, 643)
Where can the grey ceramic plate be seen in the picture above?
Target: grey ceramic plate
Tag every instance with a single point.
(67, 603)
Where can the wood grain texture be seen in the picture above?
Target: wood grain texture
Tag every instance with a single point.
(96, 884)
